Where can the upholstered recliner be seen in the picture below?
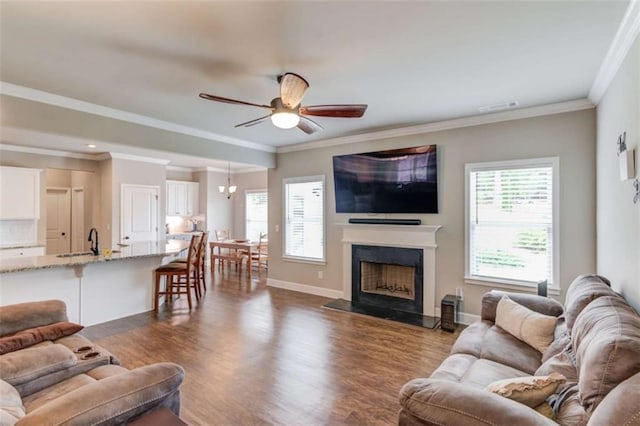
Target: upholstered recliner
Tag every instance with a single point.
(51, 375)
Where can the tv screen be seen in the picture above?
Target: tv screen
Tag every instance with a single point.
(394, 181)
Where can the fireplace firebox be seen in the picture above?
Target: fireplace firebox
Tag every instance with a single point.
(387, 277)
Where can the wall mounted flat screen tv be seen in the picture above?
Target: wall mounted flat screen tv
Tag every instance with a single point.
(394, 181)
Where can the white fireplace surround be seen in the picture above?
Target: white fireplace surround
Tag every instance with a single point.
(408, 236)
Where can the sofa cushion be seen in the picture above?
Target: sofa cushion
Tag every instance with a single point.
(55, 391)
(112, 400)
(11, 408)
(21, 316)
(31, 336)
(530, 391)
(542, 305)
(621, 406)
(483, 372)
(561, 363)
(531, 327)
(582, 291)
(606, 341)
(28, 364)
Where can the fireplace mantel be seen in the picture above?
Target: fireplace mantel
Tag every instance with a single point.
(410, 236)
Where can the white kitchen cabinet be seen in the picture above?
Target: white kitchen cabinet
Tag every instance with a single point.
(193, 193)
(18, 252)
(19, 193)
(182, 198)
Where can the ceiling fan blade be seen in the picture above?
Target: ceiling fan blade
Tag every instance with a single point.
(253, 122)
(230, 101)
(292, 89)
(308, 126)
(338, 111)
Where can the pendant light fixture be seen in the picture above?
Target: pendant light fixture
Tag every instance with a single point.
(230, 189)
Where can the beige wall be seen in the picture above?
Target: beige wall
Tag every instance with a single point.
(138, 173)
(180, 175)
(62, 165)
(569, 136)
(618, 225)
(244, 182)
(218, 211)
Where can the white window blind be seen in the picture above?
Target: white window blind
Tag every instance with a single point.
(304, 218)
(510, 229)
(256, 214)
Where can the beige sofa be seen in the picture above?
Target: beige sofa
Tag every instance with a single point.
(596, 346)
(51, 375)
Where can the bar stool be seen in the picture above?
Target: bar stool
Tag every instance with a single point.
(179, 277)
(200, 266)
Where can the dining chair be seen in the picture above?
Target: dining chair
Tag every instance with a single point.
(261, 256)
(179, 277)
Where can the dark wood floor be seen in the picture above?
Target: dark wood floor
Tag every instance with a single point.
(257, 355)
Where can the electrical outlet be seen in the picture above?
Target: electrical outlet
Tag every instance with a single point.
(320, 275)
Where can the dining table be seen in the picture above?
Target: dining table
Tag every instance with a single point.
(235, 250)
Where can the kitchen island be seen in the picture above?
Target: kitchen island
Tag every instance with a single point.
(96, 289)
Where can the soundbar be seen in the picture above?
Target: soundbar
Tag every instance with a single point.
(385, 221)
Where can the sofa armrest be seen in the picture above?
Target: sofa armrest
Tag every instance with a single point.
(440, 402)
(543, 305)
(115, 399)
(22, 316)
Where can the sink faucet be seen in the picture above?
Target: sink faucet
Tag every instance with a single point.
(94, 244)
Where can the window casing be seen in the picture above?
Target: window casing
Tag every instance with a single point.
(304, 218)
(511, 214)
(256, 213)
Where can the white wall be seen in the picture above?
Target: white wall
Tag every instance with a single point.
(218, 211)
(570, 136)
(618, 224)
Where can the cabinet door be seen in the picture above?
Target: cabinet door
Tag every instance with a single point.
(193, 204)
(181, 198)
(172, 199)
(19, 193)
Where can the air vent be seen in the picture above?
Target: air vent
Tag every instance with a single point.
(498, 107)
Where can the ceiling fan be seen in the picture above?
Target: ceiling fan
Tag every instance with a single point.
(286, 111)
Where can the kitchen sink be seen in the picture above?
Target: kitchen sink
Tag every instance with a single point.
(83, 253)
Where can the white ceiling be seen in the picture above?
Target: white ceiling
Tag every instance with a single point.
(411, 62)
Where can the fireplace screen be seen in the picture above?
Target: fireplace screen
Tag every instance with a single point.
(387, 279)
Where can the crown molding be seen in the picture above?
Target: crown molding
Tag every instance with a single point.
(139, 158)
(50, 152)
(180, 169)
(438, 126)
(28, 93)
(622, 42)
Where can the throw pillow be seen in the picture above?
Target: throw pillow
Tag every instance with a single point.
(11, 408)
(25, 338)
(533, 328)
(530, 391)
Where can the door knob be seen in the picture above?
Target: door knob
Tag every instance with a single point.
(126, 238)
(63, 234)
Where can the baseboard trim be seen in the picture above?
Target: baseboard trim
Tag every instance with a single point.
(463, 317)
(304, 288)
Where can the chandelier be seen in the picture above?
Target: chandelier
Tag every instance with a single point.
(229, 189)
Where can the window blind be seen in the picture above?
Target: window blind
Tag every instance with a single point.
(256, 207)
(304, 221)
(511, 223)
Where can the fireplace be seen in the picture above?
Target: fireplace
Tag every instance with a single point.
(387, 277)
(420, 243)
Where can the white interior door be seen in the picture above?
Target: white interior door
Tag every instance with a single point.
(139, 213)
(58, 220)
(78, 233)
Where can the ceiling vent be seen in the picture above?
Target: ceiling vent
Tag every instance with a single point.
(498, 107)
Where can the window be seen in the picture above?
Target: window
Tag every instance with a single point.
(512, 222)
(304, 218)
(256, 214)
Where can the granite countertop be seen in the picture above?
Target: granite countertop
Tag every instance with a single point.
(134, 250)
(21, 245)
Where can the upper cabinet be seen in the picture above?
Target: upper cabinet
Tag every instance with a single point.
(182, 198)
(19, 193)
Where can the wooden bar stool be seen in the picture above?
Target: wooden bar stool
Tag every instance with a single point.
(200, 266)
(179, 277)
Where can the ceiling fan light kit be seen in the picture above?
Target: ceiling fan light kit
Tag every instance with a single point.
(286, 111)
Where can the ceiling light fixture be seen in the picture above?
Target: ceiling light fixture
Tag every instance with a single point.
(230, 189)
(91, 146)
(285, 120)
